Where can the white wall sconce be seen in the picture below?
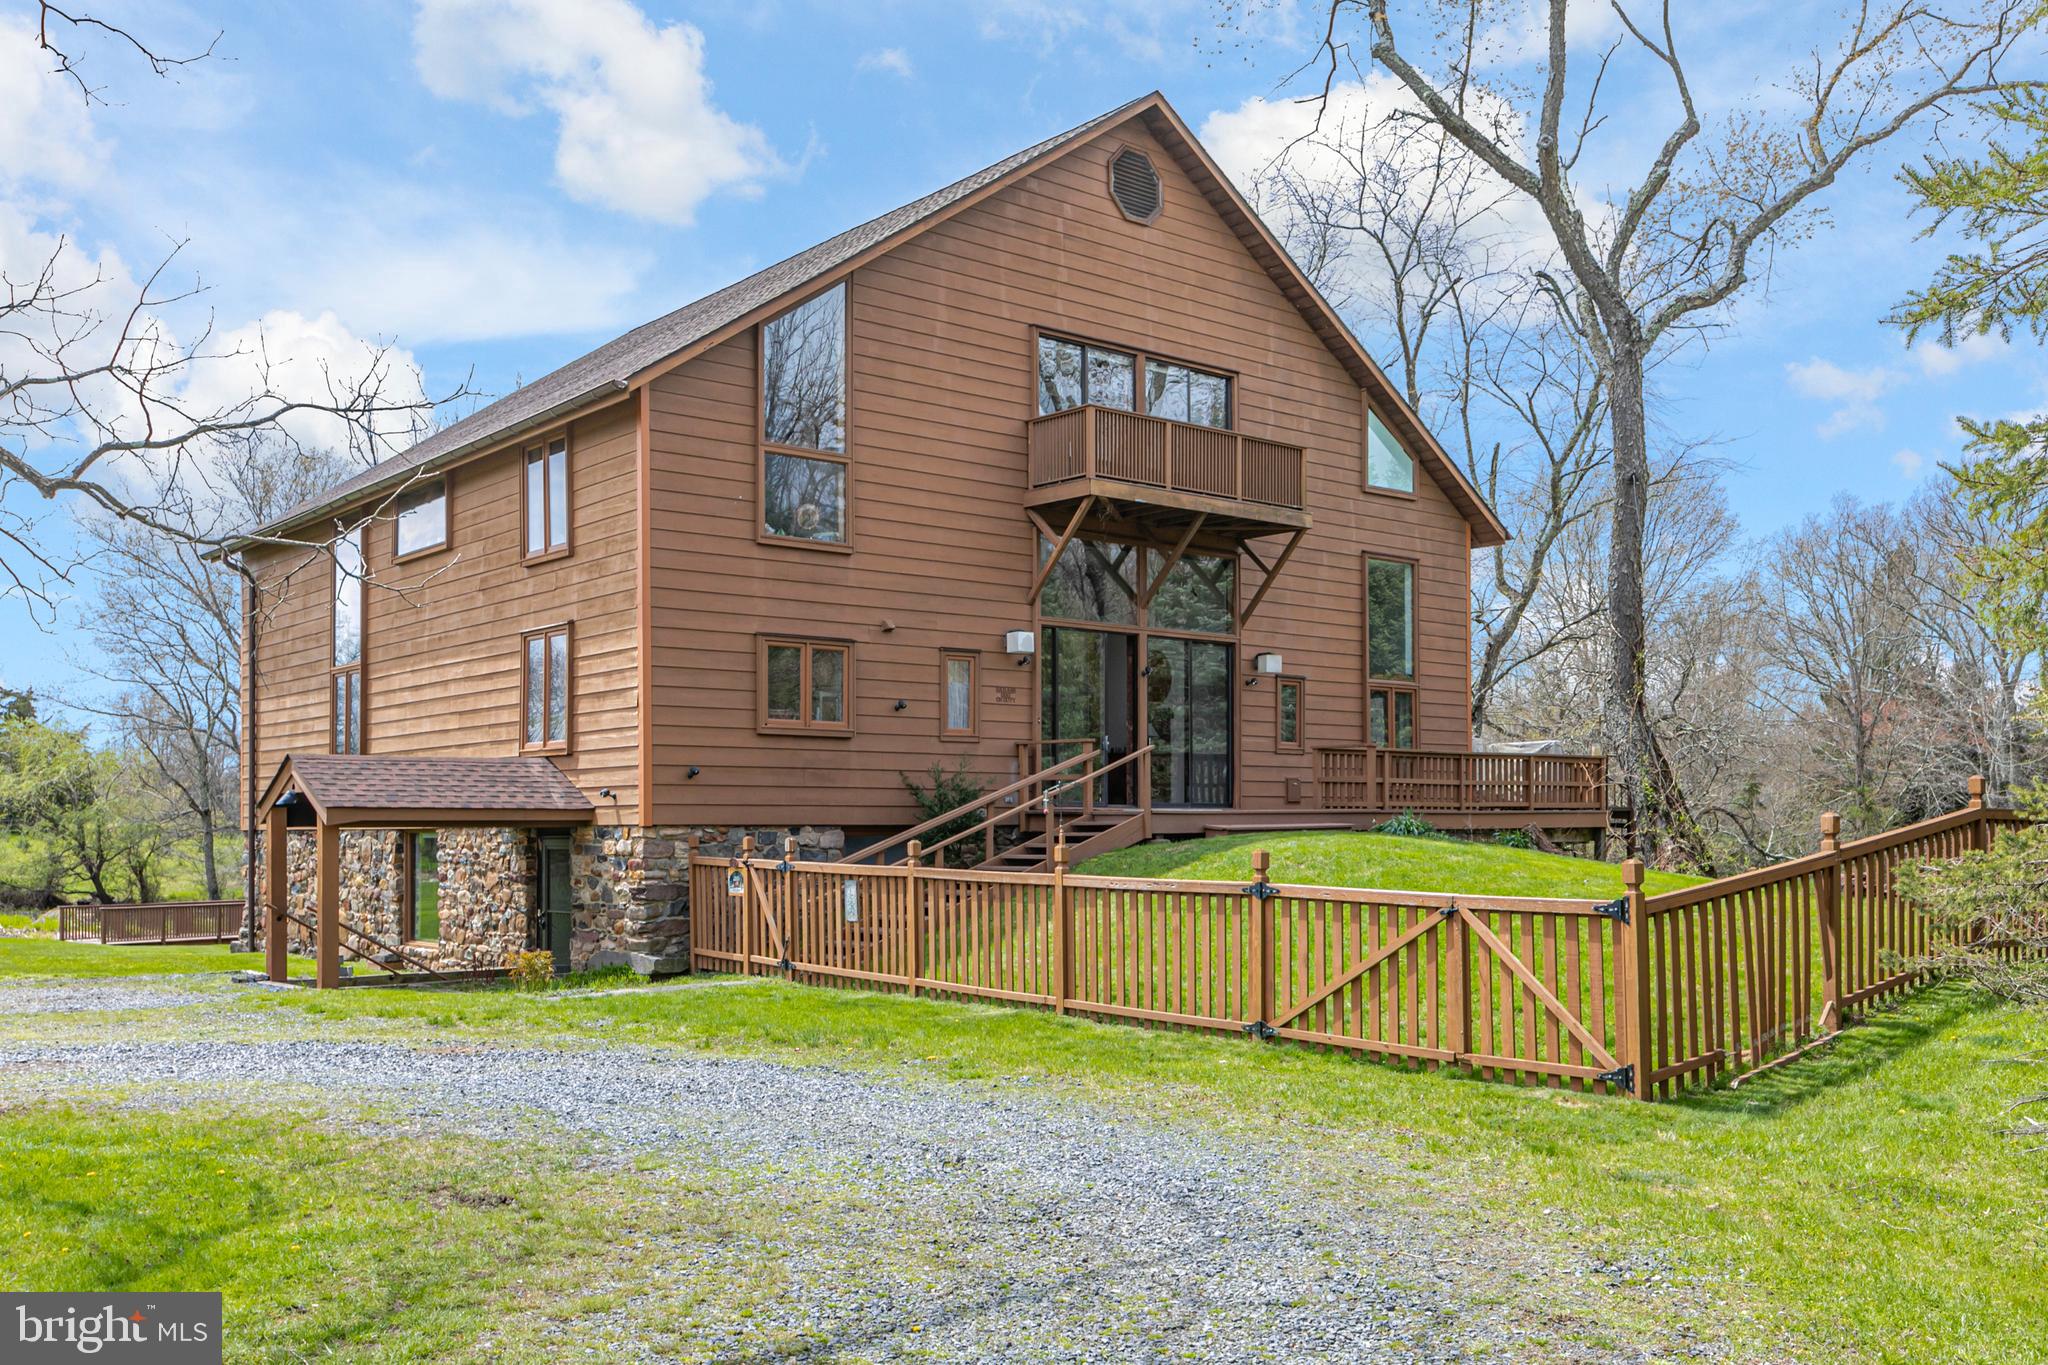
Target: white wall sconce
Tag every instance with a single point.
(1263, 665)
(1021, 643)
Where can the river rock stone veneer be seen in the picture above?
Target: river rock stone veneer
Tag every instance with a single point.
(629, 886)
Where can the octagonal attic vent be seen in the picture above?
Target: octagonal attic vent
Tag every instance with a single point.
(1135, 185)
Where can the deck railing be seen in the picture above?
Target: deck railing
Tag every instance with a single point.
(159, 922)
(1368, 779)
(1105, 443)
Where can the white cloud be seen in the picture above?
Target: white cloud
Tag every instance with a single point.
(46, 132)
(1909, 463)
(893, 60)
(1148, 30)
(1937, 361)
(638, 131)
(1855, 394)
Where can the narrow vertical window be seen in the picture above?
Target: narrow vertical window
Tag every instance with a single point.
(347, 658)
(545, 689)
(804, 685)
(804, 473)
(956, 677)
(423, 887)
(1387, 465)
(547, 498)
(1287, 724)
(1390, 652)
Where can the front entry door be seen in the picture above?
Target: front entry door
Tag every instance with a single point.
(1188, 698)
(1088, 697)
(555, 898)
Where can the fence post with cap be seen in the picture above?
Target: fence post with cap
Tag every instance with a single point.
(913, 900)
(1828, 886)
(1063, 928)
(1262, 941)
(748, 932)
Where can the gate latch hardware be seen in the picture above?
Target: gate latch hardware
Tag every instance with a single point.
(1623, 1076)
(1259, 1028)
(1262, 890)
(1616, 910)
(1449, 911)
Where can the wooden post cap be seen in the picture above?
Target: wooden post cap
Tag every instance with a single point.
(914, 852)
(1977, 789)
(1830, 830)
(747, 846)
(694, 839)
(1262, 861)
(789, 848)
(1632, 874)
(1060, 855)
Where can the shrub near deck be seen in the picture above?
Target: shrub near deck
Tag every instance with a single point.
(1384, 862)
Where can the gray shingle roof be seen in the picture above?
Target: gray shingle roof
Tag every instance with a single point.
(612, 364)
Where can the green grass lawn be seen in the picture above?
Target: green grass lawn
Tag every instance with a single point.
(31, 957)
(1860, 1203)
(1385, 862)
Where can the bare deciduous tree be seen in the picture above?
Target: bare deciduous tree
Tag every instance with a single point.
(1699, 224)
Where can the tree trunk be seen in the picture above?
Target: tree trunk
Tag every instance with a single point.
(208, 861)
(1646, 784)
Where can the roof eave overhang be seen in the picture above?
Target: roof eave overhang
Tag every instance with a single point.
(610, 391)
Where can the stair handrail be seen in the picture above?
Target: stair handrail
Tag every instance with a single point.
(1045, 798)
(981, 802)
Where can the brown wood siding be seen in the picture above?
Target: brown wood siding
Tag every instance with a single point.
(442, 631)
(941, 387)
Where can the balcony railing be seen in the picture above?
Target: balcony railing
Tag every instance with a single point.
(1421, 780)
(1105, 443)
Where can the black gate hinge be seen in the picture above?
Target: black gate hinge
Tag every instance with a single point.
(1623, 1076)
(1616, 910)
(1448, 911)
(1262, 890)
(1259, 1028)
(787, 965)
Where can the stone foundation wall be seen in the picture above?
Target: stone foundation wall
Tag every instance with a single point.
(489, 887)
(632, 891)
(628, 885)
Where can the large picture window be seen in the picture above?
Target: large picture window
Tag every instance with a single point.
(805, 685)
(422, 516)
(547, 499)
(346, 687)
(804, 469)
(545, 687)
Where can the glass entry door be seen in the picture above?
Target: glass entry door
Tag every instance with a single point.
(1088, 698)
(1188, 697)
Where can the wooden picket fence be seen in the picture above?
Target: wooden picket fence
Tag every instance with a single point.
(155, 922)
(1642, 995)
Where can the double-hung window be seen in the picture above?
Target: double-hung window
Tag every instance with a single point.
(1390, 653)
(805, 473)
(345, 677)
(546, 497)
(544, 706)
(805, 686)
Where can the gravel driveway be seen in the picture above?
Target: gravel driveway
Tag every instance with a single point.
(974, 1221)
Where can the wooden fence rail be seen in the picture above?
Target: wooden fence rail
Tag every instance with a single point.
(1642, 995)
(158, 922)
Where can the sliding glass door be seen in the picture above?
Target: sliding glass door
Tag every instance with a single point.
(1087, 698)
(1188, 699)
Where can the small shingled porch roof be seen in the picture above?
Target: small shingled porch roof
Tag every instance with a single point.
(329, 793)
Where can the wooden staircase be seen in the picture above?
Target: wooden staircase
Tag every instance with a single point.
(1086, 836)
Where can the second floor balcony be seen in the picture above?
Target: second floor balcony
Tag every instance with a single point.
(1237, 481)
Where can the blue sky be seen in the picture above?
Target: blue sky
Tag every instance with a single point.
(458, 178)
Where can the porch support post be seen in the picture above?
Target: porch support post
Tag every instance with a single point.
(276, 892)
(327, 881)
(1272, 576)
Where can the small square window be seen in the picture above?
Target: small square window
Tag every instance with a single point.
(804, 686)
